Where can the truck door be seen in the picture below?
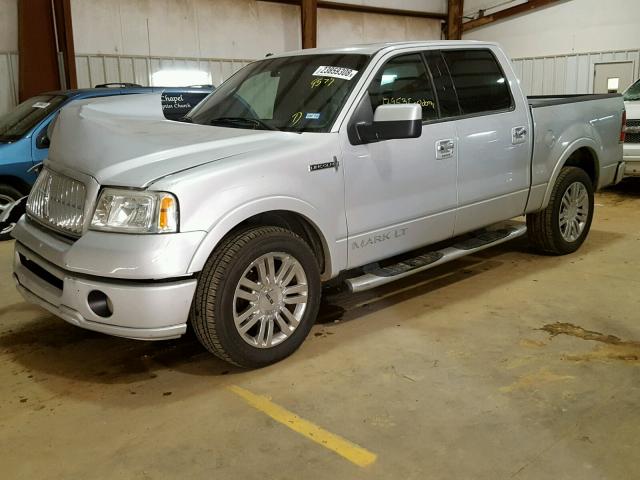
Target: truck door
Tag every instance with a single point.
(493, 128)
(399, 194)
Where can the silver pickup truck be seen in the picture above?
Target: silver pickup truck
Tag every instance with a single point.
(344, 164)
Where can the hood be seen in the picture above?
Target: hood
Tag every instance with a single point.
(633, 110)
(126, 141)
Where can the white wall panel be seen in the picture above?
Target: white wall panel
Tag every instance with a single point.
(8, 55)
(8, 81)
(567, 74)
(185, 28)
(337, 28)
(572, 26)
(96, 69)
(8, 25)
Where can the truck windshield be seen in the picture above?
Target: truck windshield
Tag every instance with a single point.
(18, 122)
(297, 93)
(633, 93)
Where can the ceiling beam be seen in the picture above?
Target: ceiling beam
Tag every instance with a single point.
(506, 13)
(454, 19)
(309, 17)
(349, 7)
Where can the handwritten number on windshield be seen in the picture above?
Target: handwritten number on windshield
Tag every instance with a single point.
(295, 118)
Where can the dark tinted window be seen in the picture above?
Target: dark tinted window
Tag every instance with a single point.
(404, 79)
(479, 81)
(447, 99)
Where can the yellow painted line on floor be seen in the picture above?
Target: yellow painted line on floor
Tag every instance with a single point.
(343, 447)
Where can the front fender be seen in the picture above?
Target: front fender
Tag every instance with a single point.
(333, 255)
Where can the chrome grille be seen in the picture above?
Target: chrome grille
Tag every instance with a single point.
(58, 202)
(632, 131)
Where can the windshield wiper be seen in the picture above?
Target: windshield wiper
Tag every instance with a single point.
(241, 121)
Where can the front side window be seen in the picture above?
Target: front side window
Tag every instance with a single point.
(18, 122)
(404, 79)
(479, 81)
(298, 93)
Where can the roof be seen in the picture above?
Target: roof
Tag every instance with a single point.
(372, 48)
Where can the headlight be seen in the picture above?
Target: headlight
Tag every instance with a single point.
(131, 211)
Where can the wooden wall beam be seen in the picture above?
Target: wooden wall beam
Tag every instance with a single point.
(506, 13)
(44, 30)
(309, 17)
(454, 19)
(350, 7)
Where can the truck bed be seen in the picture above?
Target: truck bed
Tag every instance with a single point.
(566, 122)
(536, 101)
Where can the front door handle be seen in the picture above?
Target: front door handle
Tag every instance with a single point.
(445, 149)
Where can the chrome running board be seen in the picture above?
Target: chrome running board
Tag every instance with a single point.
(376, 275)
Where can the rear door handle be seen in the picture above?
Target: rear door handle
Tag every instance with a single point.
(518, 135)
(445, 149)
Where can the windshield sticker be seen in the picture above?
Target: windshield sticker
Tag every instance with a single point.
(335, 72)
(40, 105)
(321, 82)
(312, 116)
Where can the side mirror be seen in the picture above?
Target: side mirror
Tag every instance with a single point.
(392, 122)
(42, 141)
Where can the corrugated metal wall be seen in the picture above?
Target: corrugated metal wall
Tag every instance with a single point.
(8, 80)
(553, 75)
(567, 74)
(96, 69)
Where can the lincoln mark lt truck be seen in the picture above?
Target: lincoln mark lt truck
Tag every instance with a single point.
(345, 164)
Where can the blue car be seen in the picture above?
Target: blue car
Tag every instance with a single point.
(23, 131)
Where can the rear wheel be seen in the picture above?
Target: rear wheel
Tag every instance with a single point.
(257, 297)
(8, 195)
(563, 226)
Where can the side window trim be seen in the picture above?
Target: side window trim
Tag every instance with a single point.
(440, 118)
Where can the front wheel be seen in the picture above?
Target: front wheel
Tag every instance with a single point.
(257, 297)
(564, 225)
(8, 195)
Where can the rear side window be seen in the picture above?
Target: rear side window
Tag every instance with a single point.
(479, 81)
(404, 79)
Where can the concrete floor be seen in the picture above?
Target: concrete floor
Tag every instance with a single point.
(502, 365)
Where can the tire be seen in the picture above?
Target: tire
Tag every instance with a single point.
(8, 194)
(222, 301)
(551, 234)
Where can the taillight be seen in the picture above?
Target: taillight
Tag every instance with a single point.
(623, 127)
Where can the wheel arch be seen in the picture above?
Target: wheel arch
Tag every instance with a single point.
(582, 154)
(296, 217)
(15, 182)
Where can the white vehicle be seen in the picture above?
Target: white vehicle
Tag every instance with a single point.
(338, 164)
(632, 130)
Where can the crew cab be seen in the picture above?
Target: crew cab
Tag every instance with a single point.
(24, 142)
(632, 130)
(357, 165)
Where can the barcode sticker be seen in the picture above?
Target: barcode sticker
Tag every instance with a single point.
(40, 105)
(335, 72)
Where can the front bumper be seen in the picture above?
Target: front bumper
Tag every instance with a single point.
(139, 310)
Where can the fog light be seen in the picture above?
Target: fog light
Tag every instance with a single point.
(99, 303)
